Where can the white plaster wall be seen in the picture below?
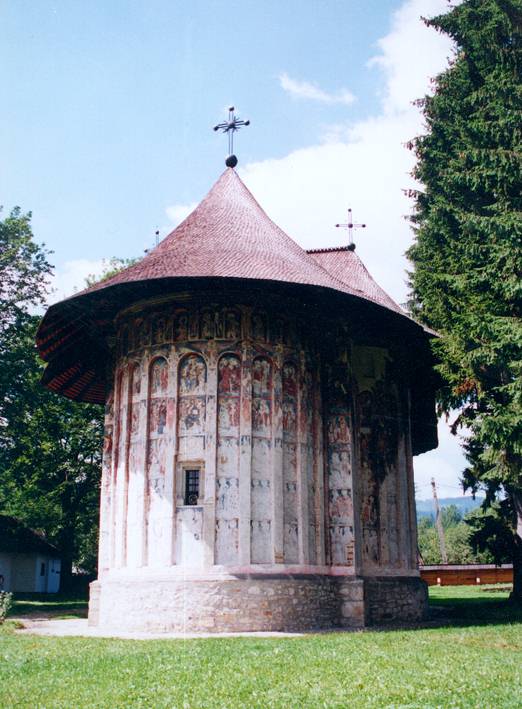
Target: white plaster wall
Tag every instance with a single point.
(23, 576)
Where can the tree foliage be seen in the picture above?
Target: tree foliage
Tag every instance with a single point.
(467, 254)
(461, 547)
(24, 269)
(111, 267)
(50, 447)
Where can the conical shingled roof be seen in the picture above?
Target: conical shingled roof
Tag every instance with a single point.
(227, 236)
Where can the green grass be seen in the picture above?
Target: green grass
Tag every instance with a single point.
(474, 662)
(57, 604)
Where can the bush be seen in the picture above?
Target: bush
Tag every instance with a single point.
(6, 601)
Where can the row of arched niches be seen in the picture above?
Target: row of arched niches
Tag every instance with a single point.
(224, 445)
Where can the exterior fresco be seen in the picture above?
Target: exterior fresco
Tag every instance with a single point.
(291, 529)
(309, 483)
(192, 386)
(384, 487)
(156, 508)
(238, 395)
(340, 484)
(227, 471)
(262, 479)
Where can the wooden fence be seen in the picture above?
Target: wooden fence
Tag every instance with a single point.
(466, 574)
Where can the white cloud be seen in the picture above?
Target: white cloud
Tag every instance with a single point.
(307, 90)
(70, 277)
(366, 166)
(178, 212)
(410, 54)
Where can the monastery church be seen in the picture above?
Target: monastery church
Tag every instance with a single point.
(262, 407)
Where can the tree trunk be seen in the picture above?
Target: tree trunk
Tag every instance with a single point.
(516, 595)
(66, 574)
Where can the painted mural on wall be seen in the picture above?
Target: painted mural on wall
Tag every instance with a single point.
(192, 387)
(340, 503)
(379, 424)
(261, 466)
(307, 460)
(339, 461)
(264, 402)
(290, 512)
(227, 469)
(156, 459)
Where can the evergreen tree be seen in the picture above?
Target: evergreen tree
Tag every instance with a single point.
(467, 254)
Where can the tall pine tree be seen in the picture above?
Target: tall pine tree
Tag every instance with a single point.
(467, 254)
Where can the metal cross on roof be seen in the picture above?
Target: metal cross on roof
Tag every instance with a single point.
(231, 126)
(350, 226)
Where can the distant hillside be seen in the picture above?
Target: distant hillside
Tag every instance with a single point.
(464, 504)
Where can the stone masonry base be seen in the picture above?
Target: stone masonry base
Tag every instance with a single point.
(253, 603)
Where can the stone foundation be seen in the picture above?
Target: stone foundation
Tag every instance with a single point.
(253, 602)
(395, 599)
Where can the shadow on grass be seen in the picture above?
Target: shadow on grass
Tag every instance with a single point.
(449, 606)
(471, 605)
(55, 604)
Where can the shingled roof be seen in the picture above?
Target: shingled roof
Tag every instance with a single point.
(344, 264)
(227, 236)
(16, 537)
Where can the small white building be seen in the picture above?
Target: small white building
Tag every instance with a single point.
(28, 563)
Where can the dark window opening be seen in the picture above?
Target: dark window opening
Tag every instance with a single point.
(42, 569)
(191, 487)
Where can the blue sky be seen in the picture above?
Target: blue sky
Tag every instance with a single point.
(108, 105)
(105, 128)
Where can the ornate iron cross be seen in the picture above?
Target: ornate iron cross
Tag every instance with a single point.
(231, 126)
(350, 226)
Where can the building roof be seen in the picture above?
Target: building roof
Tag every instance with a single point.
(227, 236)
(344, 264)
(15, 537)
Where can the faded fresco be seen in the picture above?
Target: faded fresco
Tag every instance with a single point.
(307, 461)
(339, 461)
(227, 469)
(290, 512)
(156, 459)
(181, 325)
(261, 465)
(266, 410)
(379, 426)
(192, 388)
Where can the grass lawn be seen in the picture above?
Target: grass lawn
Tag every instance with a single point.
(474, 662)
(56, 604)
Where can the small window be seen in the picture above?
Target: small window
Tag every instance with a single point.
(191, 486)
(42, 569)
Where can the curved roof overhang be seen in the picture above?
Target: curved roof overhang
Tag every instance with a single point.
(75, 334)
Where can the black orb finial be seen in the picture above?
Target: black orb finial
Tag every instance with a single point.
(231, 161)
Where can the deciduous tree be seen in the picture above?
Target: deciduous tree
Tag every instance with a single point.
(50, 447)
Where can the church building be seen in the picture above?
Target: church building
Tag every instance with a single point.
(262, 407)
